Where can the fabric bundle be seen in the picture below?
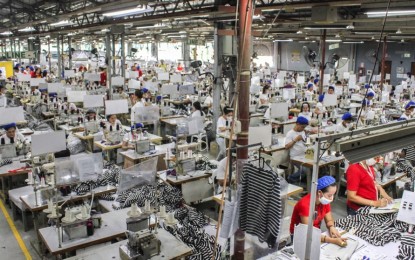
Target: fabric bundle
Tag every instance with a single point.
(202, 244)
(190, 217)
(260, 204)
(110, 176)
(404, 166)
(5, 162)
(407, 247)
(376, 229)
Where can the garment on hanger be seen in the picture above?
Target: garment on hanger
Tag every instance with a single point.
(403, 165)
(260, 203)
(407, 247)
(376, 229)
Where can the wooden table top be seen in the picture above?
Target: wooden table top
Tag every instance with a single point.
(325, 160)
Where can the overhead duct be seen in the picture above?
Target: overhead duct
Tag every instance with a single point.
(324, 14)
(377, 141)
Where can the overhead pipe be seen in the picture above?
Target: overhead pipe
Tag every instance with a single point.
(323, 61)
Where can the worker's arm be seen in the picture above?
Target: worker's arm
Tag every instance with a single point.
(324, 238)
(353, 197)
(292, 143)
(383, 193)
(328, 218)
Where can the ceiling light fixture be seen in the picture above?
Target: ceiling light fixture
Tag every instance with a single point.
(27, 29)
(351, 42)
(398, 31)
(6, 33)
(333, 40)
(350, 27)
(283, 40)
(138, 10)
(299, 32)
(337, 36)
(373, 14)
(61, 23)
(335, 27)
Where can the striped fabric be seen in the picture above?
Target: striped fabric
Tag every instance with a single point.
(260, 204)
(410, 153)
(376, 229)
(407, 247)
(5, 162)
(404, 166)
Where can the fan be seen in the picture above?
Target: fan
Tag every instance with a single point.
(337, 59)
(309, 55)
(371, 56)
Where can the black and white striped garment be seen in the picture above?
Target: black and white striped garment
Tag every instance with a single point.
(376, 229)
(407, 247)
(404, 166)
(410, 152)
(260, 209)
(110, 176)
(190, 217)
(5, 162)
(202, 244)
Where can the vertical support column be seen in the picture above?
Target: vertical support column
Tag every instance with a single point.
(323, 61)
(244, 49)
(218, 52)
(63, 60)
(20, 52)
(70, 51)
(122, 37)
(59, 57)
(382, 69)
(186, 53)
(113, 59)
(155, 50)
(49, 57)
(108, 57)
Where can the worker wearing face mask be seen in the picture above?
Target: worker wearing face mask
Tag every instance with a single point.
(326, 189)
(362, 189)
(409, 110)
(345, 124)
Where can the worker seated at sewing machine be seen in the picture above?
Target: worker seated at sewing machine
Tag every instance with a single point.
(90, 122)
(219, 174)
(12, 142)
(136, 139)
(112, 129)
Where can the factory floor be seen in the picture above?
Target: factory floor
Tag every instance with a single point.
(16, 244)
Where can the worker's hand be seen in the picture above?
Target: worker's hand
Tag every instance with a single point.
(340, 241)
(381, 203)
(389, 199)
(334, 233)
(298, 138)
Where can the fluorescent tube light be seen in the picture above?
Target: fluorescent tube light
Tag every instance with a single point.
(350, 42)
(61, 23)
(333, 40)
(27, 29)
(373, 14)
(324, 27)
(138, 10)
(283, 40)
(6, 33)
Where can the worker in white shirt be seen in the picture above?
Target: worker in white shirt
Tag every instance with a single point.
(309, 92)
(313, 71)
(224, 124)
(345, 124)
(369, 96)
(138, 102)
(3, 98)
(219, 174)
(295, 142)
(409, 110)
(130, 136)
(12, 135)
(305, 111)
(263, 98)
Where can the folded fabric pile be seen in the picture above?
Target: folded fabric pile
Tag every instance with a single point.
(407, 247)
(202, 244)
(5, 162)
(110, 176)
(376, 229)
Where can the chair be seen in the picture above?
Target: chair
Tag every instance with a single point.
(201, 133)
(282, 160)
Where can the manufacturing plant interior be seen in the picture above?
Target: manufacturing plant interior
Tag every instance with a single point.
(208, 129)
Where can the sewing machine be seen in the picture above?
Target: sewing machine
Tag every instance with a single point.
(141, 146)
(142, 243)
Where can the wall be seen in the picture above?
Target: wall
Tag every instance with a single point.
(395, 53)
(288, 48)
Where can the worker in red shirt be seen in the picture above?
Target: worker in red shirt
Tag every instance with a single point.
(326, 189)
(103, 76)
(362, 189)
